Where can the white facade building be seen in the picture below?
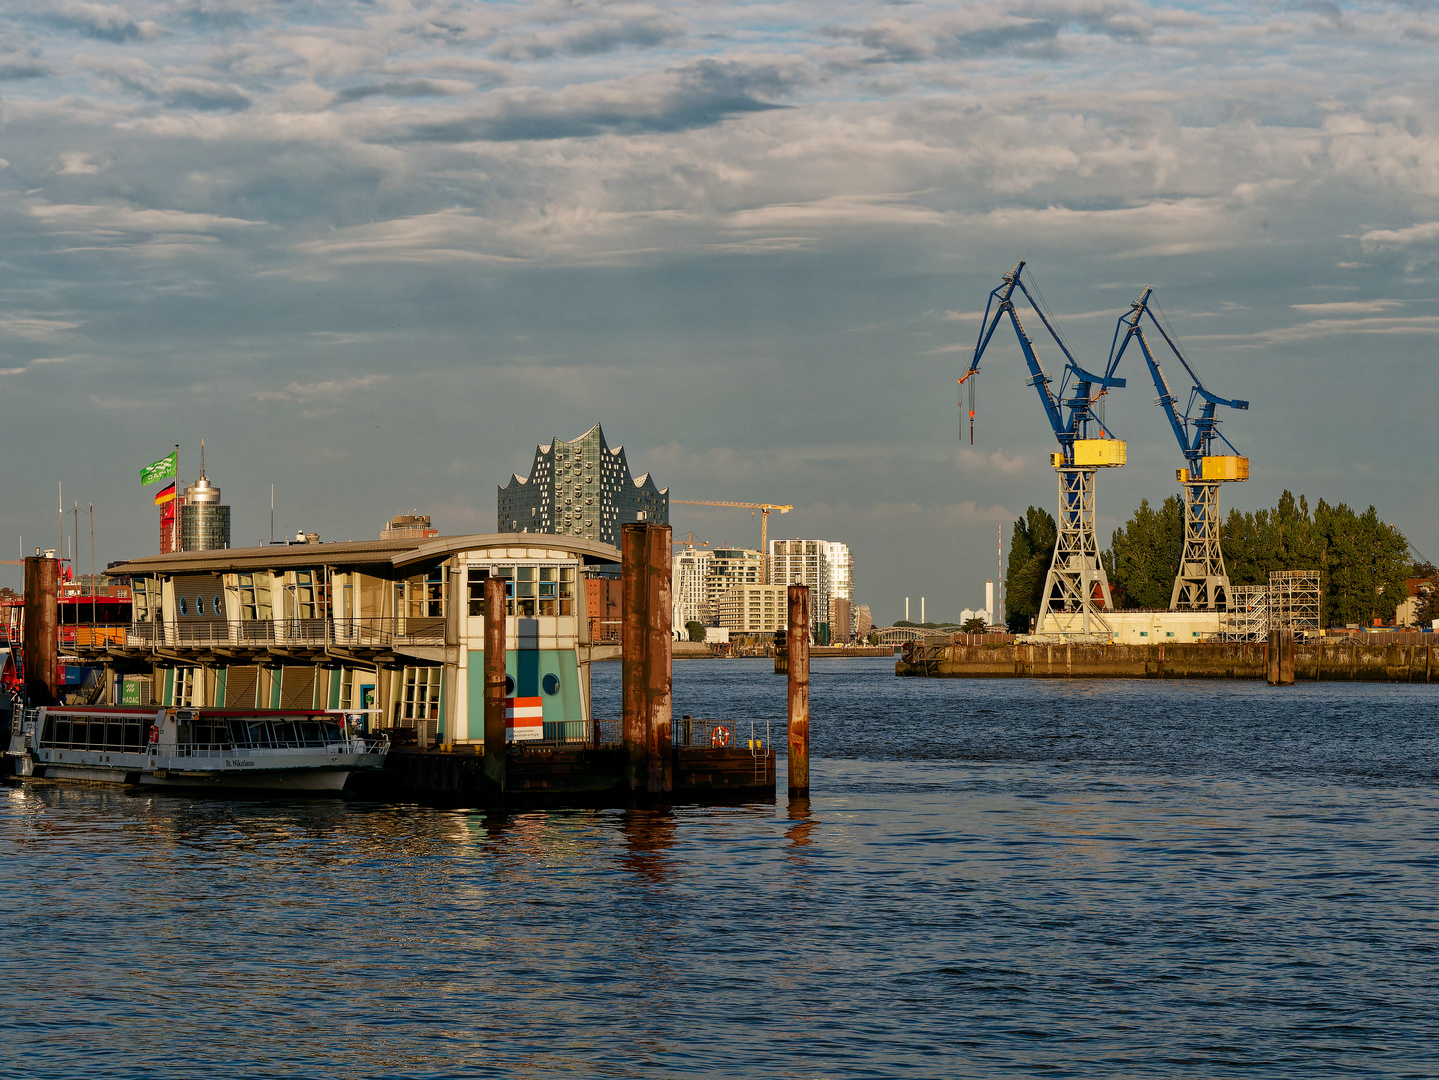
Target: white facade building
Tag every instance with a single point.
(755, 609)
(691, 573)
(827, 567)
(728, 568)
(803, 562)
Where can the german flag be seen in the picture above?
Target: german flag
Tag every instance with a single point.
(165, 495)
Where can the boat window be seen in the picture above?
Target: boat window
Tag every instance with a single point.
(219, 608)
(184, 610)
(310, 734)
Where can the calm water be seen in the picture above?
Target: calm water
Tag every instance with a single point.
(992, 879)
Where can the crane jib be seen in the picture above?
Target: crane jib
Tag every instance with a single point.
(1070, 412)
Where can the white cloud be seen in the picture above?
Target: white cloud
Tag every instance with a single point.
(1350, 307)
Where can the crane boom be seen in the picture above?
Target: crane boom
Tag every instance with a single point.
(1195, 434)
(1078, 389)
(1202, 583)
(1076, 589)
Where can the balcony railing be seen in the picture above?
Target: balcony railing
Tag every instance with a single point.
(372, 633)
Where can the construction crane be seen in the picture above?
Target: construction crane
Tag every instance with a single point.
(764, 512)
(1067, 606)
(1202, 584)
(690, 541)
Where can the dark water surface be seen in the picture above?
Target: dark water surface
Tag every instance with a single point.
(993, 878)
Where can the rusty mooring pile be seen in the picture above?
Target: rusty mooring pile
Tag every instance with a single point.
(648, 765)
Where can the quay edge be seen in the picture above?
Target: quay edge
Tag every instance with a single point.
(1325, 660)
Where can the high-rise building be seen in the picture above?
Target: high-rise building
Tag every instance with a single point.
(687, 587)
(804, 562)
(840, 564)
(204, 520)
(730, 567)
(581, 488)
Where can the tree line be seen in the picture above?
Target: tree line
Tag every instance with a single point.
(1362, 561)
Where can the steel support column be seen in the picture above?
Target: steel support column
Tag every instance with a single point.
(1202, 583)
(41, 638)
(634, 641)
(798, 642)
(659, 658)
(1068, 606)
(495, 749)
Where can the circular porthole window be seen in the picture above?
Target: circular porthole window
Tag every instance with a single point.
(551, 683)
(509, 686)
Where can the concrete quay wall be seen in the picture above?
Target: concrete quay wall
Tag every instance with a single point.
(1323, 660)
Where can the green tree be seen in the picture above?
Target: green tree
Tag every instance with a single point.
(1144, 554)
(1031, 550)
(973, 626)
(696, 630)
(1428, 606)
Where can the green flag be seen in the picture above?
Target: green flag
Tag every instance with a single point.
(169, 465)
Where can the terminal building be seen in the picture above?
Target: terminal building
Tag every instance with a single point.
(580, 488)
(393, 627)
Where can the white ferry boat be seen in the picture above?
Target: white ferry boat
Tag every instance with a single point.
(228, 749)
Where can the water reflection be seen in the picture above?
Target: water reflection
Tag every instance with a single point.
(649, 835)
(1121, 917)
(801, 829)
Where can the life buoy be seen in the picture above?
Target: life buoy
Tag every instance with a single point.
(719, 737)
(154, 733)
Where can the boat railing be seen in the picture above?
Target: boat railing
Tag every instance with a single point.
(352, 745)
(686, 732)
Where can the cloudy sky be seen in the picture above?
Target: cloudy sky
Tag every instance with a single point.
(375, 252)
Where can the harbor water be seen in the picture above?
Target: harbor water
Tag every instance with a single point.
(992, 878)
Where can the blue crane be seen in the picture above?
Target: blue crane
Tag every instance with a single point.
(1196, 434)
(1078, 389)
(1202, 583)
(1076, 589)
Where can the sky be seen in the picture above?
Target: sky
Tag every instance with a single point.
(373, 253)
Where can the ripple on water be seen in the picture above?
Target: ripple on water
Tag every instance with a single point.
(992, 878)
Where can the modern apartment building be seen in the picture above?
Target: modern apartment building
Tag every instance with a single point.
(580, 488)
(690, 576)
(730, 567)
(755, 609)
(805, 562)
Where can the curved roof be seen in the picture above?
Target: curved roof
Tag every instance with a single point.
(400, 552)
(441, 546)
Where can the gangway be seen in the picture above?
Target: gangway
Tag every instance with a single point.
(1076, 574)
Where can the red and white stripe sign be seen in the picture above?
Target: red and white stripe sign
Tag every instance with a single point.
(524, 718)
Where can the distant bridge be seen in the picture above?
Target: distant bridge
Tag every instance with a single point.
(898, 635)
